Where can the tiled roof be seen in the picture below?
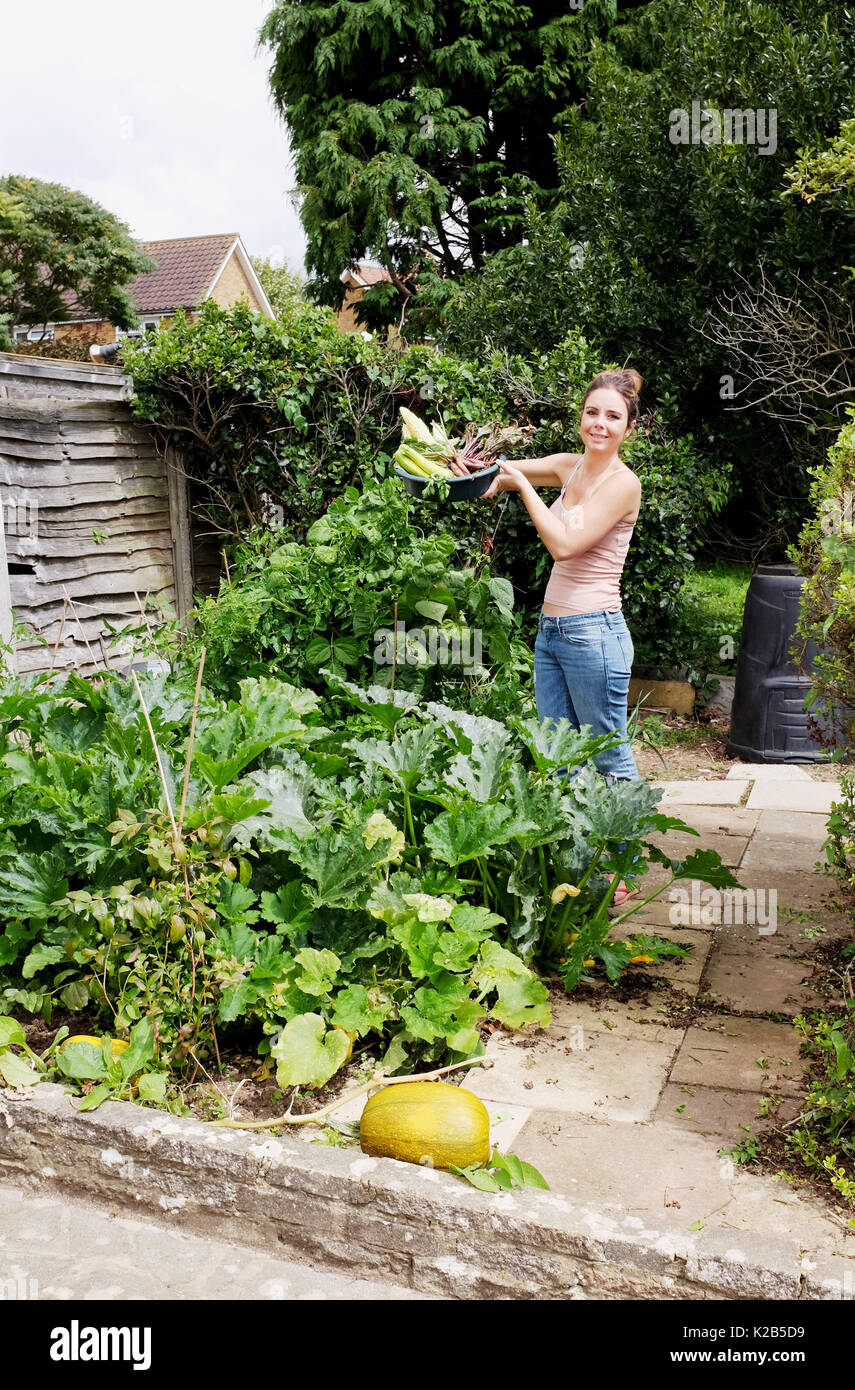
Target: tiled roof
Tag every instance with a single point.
(184, 269)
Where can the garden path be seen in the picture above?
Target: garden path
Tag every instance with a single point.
(626, 1101)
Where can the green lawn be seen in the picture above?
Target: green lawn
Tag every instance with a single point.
(714, 597)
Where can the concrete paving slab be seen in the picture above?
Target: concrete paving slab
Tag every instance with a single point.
(786, 841)
(712, 793)
(710, 1110)
(793, 796)
(804, 892)
(58, 1247)
(722, 1050)
(768, 772)
(678, 845)
(660, 1178)
(758, 975)
(722, 820)
(601, 1074)
(682, 972)
(631, 1018)
(669, 911)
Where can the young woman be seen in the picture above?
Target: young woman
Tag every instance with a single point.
(583, 652)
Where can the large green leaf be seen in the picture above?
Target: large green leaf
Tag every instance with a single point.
(140, 1049)
(356, 1012)
(399, 898)
(467, 731)
(478, 774)
(404, 759)
(706, 865)
(521, 997)
(469, 832)
(544, 807)
(16, 1072)
(521, 1000)
(289, 790)
(82, 1061)
(288, 908)
(342, 870)
(307, 1053)
(613, 814)
(433, 1015)
(30, 885)
(385, 707)
(11, 1032)
(278, 712)
(40, 956)
(555, 743)
(220, 772)
(318, 971)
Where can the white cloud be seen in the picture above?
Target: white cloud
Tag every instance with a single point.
(160, 112)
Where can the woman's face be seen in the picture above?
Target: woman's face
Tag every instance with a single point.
(604, 422)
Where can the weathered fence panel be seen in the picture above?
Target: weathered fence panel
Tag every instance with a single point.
(96, 519)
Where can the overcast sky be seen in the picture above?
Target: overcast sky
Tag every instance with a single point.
(159, 111)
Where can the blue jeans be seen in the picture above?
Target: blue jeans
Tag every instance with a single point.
(582, 665)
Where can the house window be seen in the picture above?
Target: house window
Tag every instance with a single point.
(35, 335)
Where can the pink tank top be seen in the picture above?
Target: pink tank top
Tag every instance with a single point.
(590, 582)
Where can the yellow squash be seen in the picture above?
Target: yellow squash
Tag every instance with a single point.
(426, 1122)
(117, 1045)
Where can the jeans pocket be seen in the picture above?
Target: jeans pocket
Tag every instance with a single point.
(581, 634)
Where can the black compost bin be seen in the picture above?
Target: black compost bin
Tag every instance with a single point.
(768, 722)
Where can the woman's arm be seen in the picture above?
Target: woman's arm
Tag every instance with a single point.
(591, 522)
(546, 472)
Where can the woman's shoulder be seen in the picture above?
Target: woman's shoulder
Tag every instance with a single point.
(564, 465)
(629, 479)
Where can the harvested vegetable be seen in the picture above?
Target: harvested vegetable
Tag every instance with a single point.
(426, 1122)
(427, 451)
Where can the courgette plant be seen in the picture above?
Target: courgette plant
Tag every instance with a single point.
(357, 868)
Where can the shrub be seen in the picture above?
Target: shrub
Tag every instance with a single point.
(290, 414)
(825, 554)
(331, 602)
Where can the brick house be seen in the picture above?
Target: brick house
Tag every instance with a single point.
(357, 281)
(187, 271)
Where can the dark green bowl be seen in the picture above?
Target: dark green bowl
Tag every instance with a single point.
(459, 489)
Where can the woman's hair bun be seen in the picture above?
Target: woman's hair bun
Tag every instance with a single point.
(632, 379)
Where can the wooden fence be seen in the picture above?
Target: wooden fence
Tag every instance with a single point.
(96, 522)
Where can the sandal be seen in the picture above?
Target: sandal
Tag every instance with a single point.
(622, 894)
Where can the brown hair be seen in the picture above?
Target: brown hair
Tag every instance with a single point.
(626, 382)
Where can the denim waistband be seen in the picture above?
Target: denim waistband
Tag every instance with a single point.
(600, 619)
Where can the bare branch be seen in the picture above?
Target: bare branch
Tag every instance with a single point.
(797, 350)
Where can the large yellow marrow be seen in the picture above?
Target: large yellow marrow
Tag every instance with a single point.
(427, 1122)
(117, 1045)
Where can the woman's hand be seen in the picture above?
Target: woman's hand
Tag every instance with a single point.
(508, 479)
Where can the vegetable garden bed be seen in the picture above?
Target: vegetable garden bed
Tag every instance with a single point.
(308, 874)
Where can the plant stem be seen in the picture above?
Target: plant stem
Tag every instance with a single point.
(483, 871)
(190, 741)
(644, 901)
(374, 1084)
(543, 878)
(157, 757)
